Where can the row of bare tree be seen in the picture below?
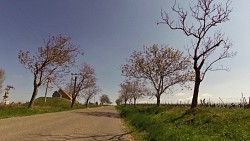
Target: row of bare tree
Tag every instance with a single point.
(165, 67)
(131, 90)
(162, 67)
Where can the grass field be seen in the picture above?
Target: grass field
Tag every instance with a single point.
(52, 105)
(180, 123)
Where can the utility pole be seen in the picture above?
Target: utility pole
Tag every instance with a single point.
(46, 91)
(6, 95)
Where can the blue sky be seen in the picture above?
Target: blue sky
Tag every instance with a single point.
(108, 31)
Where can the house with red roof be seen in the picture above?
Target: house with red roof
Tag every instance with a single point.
(62, 94)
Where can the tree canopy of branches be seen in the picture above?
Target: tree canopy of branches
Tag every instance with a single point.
(131, 90)
(118, 101)
(125, 92)
(104, 99)
(52, 60)
(89, 93)
(137, 89)
(208, 45)
(163, 67)
(86, 80)
(2, 78)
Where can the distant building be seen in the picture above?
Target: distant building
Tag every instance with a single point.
(62, 94)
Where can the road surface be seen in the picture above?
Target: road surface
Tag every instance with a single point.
(94, 124)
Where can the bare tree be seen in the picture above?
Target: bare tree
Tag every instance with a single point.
(89, 93)
(2, 78)
(104, 99)
(208, 45)
(118, 101)
(132, 90)
(87, 79)
(163, 67)
(125, 92)
(138, 90)
(52, 60)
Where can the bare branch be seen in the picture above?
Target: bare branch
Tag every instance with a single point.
(207, 15)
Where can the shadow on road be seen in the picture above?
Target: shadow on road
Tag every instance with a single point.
(100, 114)
(96, 137)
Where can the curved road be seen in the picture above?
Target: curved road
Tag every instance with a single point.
(94, 124)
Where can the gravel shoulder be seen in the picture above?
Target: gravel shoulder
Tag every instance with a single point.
(94, 124)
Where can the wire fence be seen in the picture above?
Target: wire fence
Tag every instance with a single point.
(235, 102)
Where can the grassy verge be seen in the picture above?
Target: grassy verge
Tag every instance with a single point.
(40, 107)
(179, 123)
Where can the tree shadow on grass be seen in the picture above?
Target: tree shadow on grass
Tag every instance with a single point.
(189, 112)
(94, 137)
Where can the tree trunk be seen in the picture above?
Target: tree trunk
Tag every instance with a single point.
(86, 104)
(125, 102)
(32, 100)
(158, 97)
(196, 89)
(134, 102)
(73, 102)
(249, 102)
(46, 91)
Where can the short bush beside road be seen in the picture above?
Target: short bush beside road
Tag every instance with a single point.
(181, 123)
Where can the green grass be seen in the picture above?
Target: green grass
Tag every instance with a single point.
(180, 123)
(40, 107)
(52, 102)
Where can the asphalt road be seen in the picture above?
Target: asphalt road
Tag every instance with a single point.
(94, 124)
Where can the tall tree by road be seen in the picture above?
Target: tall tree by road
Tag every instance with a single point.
(118, 101)
(125, 94)
(138, 90)
(131, 89)
(2, 78)
(208, 45)
(52, 60)
(163, 67)
(89, 93)
(84, 79)
(104, 99)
